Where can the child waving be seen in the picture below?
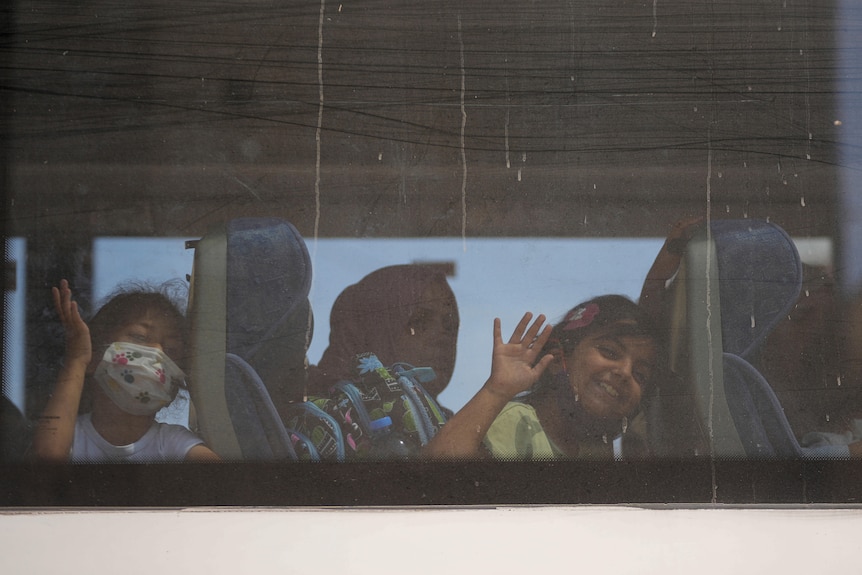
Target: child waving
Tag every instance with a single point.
(583, 379)
(135, 335)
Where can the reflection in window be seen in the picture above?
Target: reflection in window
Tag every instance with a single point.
(499, 278)
(492, 278)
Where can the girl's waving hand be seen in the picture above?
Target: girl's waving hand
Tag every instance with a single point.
(55, 430)
(78, 345)
(513, 369)
(513, 365)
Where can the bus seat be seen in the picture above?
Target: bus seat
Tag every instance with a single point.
(251, 324)
(261, 433)
(738, 279)
(760, 278)
(757, 413)
(16, 431)
(268, 312)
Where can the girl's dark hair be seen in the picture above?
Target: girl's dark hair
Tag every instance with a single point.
(617, 315)
(131, 302)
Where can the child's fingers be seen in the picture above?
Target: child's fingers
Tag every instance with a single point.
(74, 313)
(537, 343)
(685, 227)
(498, 335)
(57, 306)
(543, 337)
(517, 335)
(530, 336)
(62, 299)
(66, 307)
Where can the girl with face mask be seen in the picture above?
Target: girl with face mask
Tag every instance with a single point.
(131, 377)
(561, 392)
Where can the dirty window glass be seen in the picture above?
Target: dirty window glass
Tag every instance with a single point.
(260, 162)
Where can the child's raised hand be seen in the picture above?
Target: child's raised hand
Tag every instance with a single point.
(666, 264)
(78, 345)
(681, 233)
(513, 365)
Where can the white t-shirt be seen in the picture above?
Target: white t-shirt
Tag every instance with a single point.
(163, 442)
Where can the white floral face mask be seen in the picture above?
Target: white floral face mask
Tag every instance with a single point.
(140, 380)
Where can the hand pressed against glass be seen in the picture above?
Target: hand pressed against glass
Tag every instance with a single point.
(78, 345)
(513, 367)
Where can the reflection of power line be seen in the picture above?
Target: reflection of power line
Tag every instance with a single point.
(531, 142)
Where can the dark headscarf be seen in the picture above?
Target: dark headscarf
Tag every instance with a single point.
(374, 315)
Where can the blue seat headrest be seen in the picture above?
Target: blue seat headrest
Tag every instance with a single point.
(760, 278)
(268, 280)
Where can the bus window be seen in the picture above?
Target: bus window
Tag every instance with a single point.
(540, 156)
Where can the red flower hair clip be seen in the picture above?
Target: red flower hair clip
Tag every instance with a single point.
(581, 316)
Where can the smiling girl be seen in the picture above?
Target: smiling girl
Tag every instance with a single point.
(585, 378)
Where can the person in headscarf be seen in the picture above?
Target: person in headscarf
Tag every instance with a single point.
(402, 313)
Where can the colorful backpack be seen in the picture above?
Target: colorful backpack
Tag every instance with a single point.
(380, 413)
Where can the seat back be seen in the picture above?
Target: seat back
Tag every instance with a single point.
(268, 313)
(737, 281)
(251, 324)
(757, 413)
(760, 278)
(260, 431)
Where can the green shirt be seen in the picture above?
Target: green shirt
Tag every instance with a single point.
(517, 434)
